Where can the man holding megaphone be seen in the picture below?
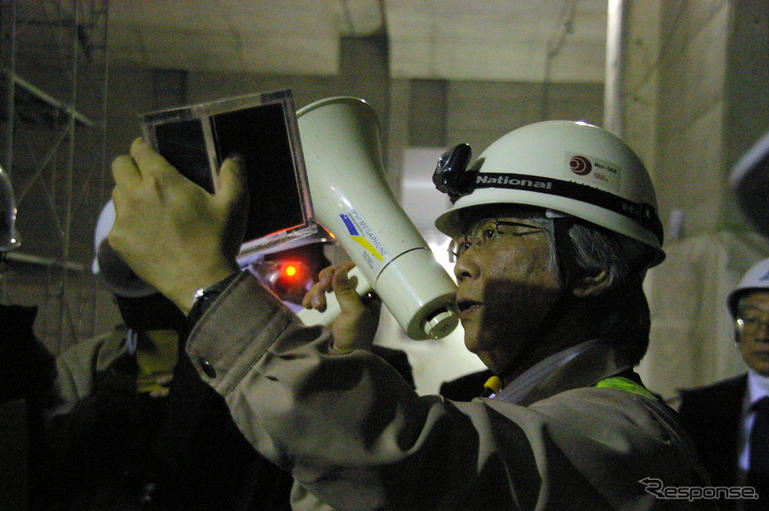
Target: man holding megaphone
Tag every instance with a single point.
(553, 229)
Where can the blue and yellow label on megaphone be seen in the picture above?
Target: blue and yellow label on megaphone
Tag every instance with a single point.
(364, 237)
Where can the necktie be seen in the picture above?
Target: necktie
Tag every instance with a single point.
(758, 473)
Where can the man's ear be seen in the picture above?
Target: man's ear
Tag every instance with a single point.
(591, 285)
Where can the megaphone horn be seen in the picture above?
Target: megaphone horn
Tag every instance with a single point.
(352, 200)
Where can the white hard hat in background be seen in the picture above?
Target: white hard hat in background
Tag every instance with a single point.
(113, 273)
(755, 279)
(572, 168)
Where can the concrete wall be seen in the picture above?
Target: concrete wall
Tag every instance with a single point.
(694, 99)
(691, 106)
(641, 78)
(746, 117)
(481, 112)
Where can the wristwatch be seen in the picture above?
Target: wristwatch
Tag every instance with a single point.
(205, 296)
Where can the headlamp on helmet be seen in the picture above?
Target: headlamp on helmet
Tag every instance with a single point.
(449, 176)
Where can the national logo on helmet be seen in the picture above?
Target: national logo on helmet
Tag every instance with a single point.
(580, 165)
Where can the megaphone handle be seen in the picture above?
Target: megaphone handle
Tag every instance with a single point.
(315, 317)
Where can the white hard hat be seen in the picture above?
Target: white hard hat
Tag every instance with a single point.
(114, 274)
(755, 279)
(572, 168)
(9, 237)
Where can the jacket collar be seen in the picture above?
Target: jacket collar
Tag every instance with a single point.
(582, 365)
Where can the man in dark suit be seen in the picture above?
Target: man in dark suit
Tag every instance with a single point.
(724, 419)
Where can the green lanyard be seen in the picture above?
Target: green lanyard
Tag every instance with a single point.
(625, 384)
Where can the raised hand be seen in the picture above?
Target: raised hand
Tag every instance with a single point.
(357, 321)
(175, 235)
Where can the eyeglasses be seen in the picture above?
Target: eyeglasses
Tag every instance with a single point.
(487, 231)
(750, 324)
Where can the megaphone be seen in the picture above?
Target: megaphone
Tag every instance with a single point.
(352, 200)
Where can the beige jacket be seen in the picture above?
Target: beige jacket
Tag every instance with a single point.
(78, 367)
(355, 436)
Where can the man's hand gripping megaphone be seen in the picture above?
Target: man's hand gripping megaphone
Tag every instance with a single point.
(356, 323)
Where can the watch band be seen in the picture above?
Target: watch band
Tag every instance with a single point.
(205, 296)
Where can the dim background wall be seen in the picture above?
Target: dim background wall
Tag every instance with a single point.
(694, 98)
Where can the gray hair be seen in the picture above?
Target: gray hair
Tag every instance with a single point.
(620, 313)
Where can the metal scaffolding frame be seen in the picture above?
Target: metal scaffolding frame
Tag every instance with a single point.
(54, 66)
